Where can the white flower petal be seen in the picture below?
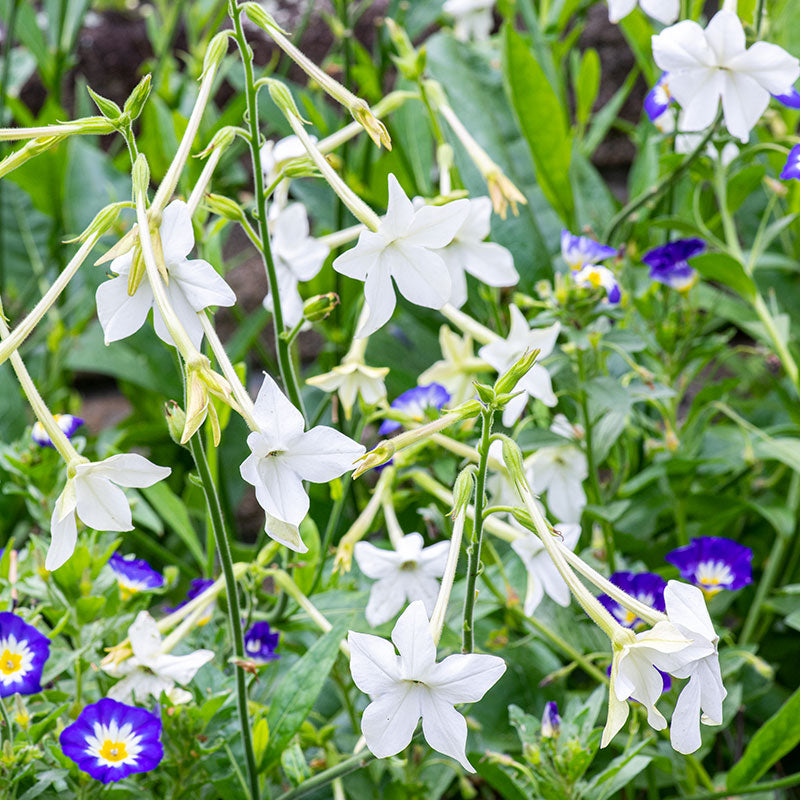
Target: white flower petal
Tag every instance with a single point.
(322, 454)
(375, 562)
(619, 9)
(399, 211)
(684, 732)
(385, 601)
(119, 313)
(182, 669)
(280, 491)
(202, 285)
(444, 728)
(435, 226)
(63, 537)
(420, 274)
(388, 722)
(380, 300)
(465, 678)
(177, 236)
(126, 469)
(665, 11)
(374, 664)
(145, 638)
(274, 411)
(102, 505)
(358, 261)
(412, 638)
(685, 605)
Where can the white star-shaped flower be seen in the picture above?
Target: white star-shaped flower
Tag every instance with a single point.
(192, 286)
(403, 249)
(502, 353)
(543, 577)
(665, 11)
(411, 685)
(401, 576)
(559, 471)
(274, 156)
(92, 494)
(686, 609)
(149, 671)
(283, 455)
(715, 64)
(351, 379)
(458, 368)
(489, 262)
(473, 18)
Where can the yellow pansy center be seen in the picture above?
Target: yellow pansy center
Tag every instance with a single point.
(113, 751)
(10, 662)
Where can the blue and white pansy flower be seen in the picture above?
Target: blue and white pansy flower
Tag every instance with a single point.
(669, 263)
(658, 99)
(23, 652)
(792, 167)
(196, 587)
(134, 575)
(111, 740)
(714, 563)
(578, 251)
(260, 643)
(67, 422)
(416, 403)
(593, 276)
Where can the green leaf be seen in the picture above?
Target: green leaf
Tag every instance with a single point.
(779, 735)
(620, 772)
(172, 510)
(587, 84)
(542, 120)
(298, 691)
(726, 270)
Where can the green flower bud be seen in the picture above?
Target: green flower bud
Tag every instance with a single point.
(222, 138)
(258, 16)
(137, 98)
(224, 207)
(512, 456)
(107, 107)
(141, 174)
(318, 308)
(463, 490)
(509, 379)
(176, 420)
(282, 97)
(102, 221)
(485, 393)
(217, 50)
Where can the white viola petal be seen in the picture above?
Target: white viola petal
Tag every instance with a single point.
(743, 103)
(177, 236)
(686, 606)
(465, 678)
(770, 65)
(126, 469)
(275, 413)
(420, 274)
(412, 638)
(280, 491)
(444, 728)
(359, 261)
(375, 562)
(385, 601)
(684, 731)
(145, 638)
(202, 285)
(102, 505)
(380, 299)
(322, 454)
(665, 11)
(619, 9)
(63, 537)
(119, 313)
(399, 211)
(182, 669)
(374, 664)
(388, 722)
(435, 226)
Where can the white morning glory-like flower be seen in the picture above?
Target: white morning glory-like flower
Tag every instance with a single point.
(149, 671)
(635, 673)
(401, 576)
(458, 368)
(713, 65)
(543, 577)
(559, 471)
(489, 262)
(92, 494)
(283, 455)
(411, 685)
(473, 18)
(193, 285)
(298, 257)
(561, 426)
(665, 11)
(404, 249)
(704, 692)
(503, 353)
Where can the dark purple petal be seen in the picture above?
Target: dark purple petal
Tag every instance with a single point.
(672, 253)
(37, 643)
(135, 573)
(790, 99)
(791, 169)
(714, 563)
(260, 643)
(551, 721)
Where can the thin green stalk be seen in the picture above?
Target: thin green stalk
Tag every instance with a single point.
(234, 615)
(6, 722)
(284, 357)
(755, 788)
(758, 17)
(327, 776)
(476, 538)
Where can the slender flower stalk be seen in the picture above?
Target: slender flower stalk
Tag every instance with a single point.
(89, 125)
(468, 325)
(440, 609)
(335, 240)
(202, 182)
(390, 518)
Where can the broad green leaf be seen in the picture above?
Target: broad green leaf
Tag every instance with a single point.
(173, 511)
(543, 121)
(779, 735)
(726, 270)
(587, 84)
(620, 772)
(298, 691)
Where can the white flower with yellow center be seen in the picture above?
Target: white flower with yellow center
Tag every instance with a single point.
(23, 652)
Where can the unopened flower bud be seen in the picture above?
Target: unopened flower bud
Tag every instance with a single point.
(107, 107)
(485, 393)
(176, 420)
(507, 382)
(551, 721)
(138, 97)
(222, 138)
(141, 174)
(282, 97)
(102, 221)
(515, 464)
(377, 456)
(409, 61)
(217, 50)
(258, 16)
(318, 308)
(224, 207)
(463, 490)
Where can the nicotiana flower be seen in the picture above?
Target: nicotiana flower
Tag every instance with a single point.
(669, 263)
(401, 576)
(714, 563)
(456, 370)
(713, 65)
(260, 643)
(111, 740)
(23, 652)
(274, 156)
(411, 685)
(418, 403)
(298, 257)
(551, 721)
(92, 494)
(635, 673)
(665, 11)
(543, 577)
(559, 472)
(704, 692)
(149, 671)
(473, 18)
(404, 249)
(647, 587)
(352, 379)
(792, 167)
(283, 455)
(134, 574)
(594, 277)
(196, 587)
(578, 251)
(193, 284)
(489, 262)
(561, 426)
(503, 353)
(67, 422)
(659, 98)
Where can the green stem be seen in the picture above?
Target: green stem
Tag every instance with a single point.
(284, 357)
(476, 538)
(327, 776)
(755, 788)
(6, 722)
(234, 615)
(758, 17)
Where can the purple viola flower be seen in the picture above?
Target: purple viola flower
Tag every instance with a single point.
(66, 422)
(792, 167)
(196, 587)
(578, 251)
(23, 652)
(260, 643)
(658, 99)
(669, 263)
(790, 99)
(714, 563)
(551, 721)
(593, 277)
(416, 403)
(134, 574)
(646, 587)
(111, 740)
